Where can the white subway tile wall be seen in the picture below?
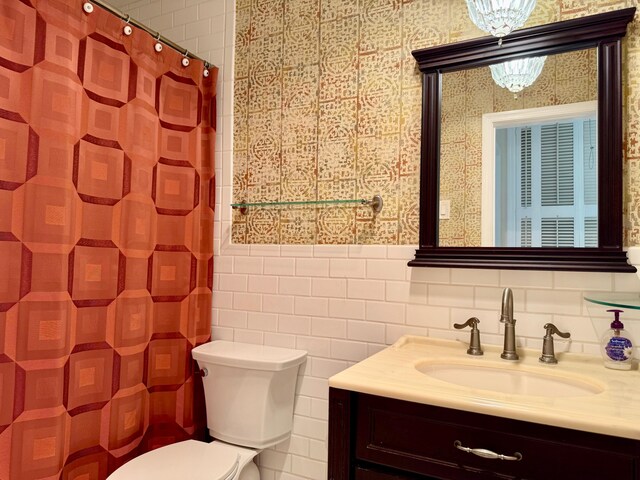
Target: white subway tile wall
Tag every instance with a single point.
(341, 319)
(344, 303)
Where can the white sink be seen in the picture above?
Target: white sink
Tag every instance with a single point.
(509, 380)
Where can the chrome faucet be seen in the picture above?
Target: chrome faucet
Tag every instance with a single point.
(509, 352)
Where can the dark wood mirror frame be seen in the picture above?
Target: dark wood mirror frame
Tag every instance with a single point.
(603, 32)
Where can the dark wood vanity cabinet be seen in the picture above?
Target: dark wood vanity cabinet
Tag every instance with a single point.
(378, 438)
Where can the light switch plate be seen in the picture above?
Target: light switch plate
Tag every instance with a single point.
(445, 209)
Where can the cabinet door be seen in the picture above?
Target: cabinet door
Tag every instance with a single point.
(422, 439)
(363, 473)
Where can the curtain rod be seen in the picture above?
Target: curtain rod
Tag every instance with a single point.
(156, 35)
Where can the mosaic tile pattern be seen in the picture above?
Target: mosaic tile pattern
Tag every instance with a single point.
(328, 102)
(106, 224)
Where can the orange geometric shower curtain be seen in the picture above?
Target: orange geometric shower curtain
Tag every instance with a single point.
(106, 224)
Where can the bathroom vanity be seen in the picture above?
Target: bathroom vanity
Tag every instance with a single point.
(397, 415)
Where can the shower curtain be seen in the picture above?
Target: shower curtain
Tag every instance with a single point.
(106, 224)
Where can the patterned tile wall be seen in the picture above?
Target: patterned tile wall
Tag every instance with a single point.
(469, 94)
(327, 106)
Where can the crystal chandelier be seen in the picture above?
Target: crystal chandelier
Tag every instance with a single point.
(517, 74)
(500, 17)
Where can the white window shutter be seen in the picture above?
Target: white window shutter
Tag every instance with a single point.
(591, 231)
(557, 232)
(525, 232)
(557, 164)
(590, 162)
(525, 167)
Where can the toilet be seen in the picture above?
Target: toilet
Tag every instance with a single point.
(249, 394)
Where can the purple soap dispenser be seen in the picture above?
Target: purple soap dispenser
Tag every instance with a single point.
(617, 346)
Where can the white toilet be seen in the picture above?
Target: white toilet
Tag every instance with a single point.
(249, 392)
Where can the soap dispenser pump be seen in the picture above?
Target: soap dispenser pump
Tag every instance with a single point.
(617, 346)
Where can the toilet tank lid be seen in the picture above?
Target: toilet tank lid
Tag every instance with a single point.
(247, 355)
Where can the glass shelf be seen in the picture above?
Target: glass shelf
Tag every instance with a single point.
(598, 305)
(375, 203)
(616, 300)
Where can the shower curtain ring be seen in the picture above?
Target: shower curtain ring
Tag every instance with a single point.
(158, 45)
(88, 7)
(127, 28)
(185, 60)
(206, 69)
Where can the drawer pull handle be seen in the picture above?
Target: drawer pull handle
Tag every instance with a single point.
(484, 453)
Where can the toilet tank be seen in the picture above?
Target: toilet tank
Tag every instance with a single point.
(249, 391)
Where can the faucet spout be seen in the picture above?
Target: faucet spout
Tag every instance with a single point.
(507, 306)
(509, 351)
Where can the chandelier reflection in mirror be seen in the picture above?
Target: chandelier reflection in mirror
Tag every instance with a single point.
(500, 17)
(517, 74)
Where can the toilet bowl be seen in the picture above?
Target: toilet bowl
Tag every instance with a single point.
(249, 396)
(192, 460)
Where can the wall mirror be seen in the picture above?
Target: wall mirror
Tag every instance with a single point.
(525, 178)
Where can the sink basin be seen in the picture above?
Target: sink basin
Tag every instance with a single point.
(508, 380)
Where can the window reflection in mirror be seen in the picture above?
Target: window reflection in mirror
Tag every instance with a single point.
(545, 182)
(484, 192)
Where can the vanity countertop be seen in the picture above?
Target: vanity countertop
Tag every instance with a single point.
(392, 373)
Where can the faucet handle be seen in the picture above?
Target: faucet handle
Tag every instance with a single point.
(548, 354)
(474, 345)
(472, 322)
(551, 329)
